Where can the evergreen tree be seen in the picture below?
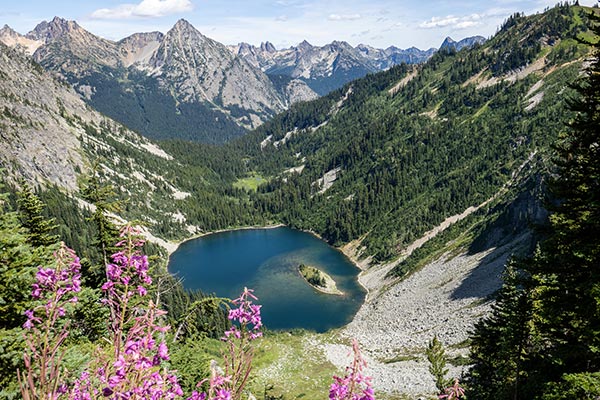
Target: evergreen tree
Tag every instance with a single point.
(437, 364)
(500, 342)
(107, 233)
(30, 209)
(18, 262)
(567, 297)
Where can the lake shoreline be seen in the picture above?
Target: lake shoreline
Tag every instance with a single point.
(361, 266)
(175, 245)
(267, 260)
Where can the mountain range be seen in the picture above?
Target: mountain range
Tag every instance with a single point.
(437, 167)
(169, 85)
(326, 68)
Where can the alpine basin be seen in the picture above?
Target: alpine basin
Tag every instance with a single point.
(267, 260)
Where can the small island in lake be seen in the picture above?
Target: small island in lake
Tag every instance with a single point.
(319, 280)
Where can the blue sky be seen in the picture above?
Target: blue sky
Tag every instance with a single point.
(380, 23)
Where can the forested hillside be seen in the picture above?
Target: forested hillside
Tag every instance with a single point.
(390, 156)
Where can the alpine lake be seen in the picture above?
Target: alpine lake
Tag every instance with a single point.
(267, 260)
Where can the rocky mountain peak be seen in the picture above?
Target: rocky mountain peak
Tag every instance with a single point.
(245, 48)
(338, 45)
(366, 49)
(268, 47)
(304, 46)
(200, 69)
(8, 31)
(183, 26)
(13, 39)
(48, 31)
(448, 43)
(185, 32)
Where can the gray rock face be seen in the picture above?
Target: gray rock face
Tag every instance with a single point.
(450, 43)
(327, 67)
(138, 48)
(190, 66)
(297, 90)
(37, 143)
(201, 69)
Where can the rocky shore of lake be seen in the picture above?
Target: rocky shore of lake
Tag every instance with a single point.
(399, 318)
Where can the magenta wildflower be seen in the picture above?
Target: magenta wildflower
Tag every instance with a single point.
(54, 287)
(247, 315)
(247, 324)
(223, 394)
(453, 392)
(197, 396)
(127, 276)
(354, 385)
(163, 351)
(138, 370)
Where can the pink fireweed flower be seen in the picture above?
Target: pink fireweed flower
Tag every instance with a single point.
(127, 276)
(55, 287)
(141, 290)
(197, 396)
(247, 315)
(129, 267)
(163, 351)
(246, 327)
(138, 370)
(223, 394)
(453, 392)
(354, 385)
(219, 380)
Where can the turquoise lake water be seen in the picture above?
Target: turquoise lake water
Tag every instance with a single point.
(267, 260)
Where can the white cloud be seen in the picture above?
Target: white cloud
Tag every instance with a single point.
(145, 9)
(343, 17)
(466, 24)
(439, 22)
(452, 21)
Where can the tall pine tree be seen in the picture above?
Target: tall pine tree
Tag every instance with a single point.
(567, 276)
(41, 230)
(107, 233)
(500, 344)
(542, 339)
